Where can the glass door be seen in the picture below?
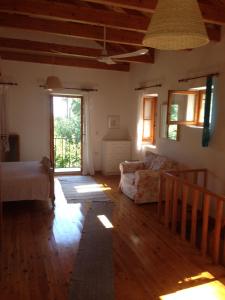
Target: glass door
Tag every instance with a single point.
(67, 134)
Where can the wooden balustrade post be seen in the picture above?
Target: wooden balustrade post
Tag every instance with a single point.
(185, 176)
(1, 210)
(195, 177)
(174, 206)
(223, 254)
(216, 240)
(160, 200)
(205, 179)
(168, 200)
(205, 224)
(184, 212)
(194, 216)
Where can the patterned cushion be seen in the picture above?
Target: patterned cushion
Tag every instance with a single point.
(149, 157)
(131, 167)
(169, 165)
(162, 163)
(157, 163)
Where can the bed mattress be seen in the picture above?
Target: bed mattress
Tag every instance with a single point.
(27, 180)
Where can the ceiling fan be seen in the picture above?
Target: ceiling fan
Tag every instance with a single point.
(104, 57)
(109, 59)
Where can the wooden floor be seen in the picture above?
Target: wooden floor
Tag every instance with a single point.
(40, 245)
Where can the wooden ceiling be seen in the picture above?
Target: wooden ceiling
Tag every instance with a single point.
(126, 22)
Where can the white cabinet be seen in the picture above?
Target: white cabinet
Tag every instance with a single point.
(113, 153)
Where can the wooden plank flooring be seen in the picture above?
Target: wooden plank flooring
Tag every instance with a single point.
(40, 247)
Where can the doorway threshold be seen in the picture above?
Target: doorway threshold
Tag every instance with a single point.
(67, 171)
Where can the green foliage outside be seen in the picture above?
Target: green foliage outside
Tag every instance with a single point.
(172, 132)
(67, 134)
(172, 129)
(174, 112)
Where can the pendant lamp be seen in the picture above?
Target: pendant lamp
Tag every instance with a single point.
(176, 25)
(52, 83)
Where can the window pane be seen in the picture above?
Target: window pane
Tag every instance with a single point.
(147, 109)
(146, 129)
(174, 111)
(202, 108)
(163, 129)
(182, 107)
(178, 107)
(172, 132)
(202, 112)
(190, 115)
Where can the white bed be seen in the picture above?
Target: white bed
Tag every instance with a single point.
(27, 180)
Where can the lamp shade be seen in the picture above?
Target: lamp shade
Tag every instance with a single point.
(53, 82)
(176, 25)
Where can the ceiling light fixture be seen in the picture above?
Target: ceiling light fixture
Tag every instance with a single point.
(53, 83)
(176, 25)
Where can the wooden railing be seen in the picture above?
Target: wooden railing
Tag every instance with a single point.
(1, 210)
(189, 209)
(67, 152)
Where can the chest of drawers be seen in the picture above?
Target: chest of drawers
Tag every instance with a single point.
(113, 153)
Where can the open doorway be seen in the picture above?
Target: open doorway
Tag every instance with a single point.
(66, 134)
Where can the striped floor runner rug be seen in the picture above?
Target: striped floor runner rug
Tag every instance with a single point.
(93, 271)
(79, 189)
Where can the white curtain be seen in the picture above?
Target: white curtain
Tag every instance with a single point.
(88, 163)
(4, 136)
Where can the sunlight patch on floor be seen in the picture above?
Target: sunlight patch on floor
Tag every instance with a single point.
(201, 276)
(88, 188)
(66, 214)
(214, 290)
(105, 221)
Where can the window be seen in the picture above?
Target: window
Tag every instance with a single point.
(170, 132)
(201, 108)
(149, 119)
(186, 107)
(173, 132)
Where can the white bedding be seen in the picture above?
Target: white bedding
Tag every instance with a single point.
(25, 180)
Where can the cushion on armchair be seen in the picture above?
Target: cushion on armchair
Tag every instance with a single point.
(148, 159)
(162, 163)
(131, 166)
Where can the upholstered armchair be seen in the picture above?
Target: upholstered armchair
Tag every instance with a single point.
(140, 180)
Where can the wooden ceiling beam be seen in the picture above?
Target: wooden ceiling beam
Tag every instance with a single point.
(69, 51)
(211, 13)
(62, 61)
(89, 15)
(78, 30)
(76, 13)
(214, 32)
(141, 5)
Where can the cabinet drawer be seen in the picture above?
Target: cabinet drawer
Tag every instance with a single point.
(113, 153)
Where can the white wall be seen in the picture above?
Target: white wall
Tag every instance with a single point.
(168, 68)
(28, 105)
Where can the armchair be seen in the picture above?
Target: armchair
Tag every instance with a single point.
(140, 180)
